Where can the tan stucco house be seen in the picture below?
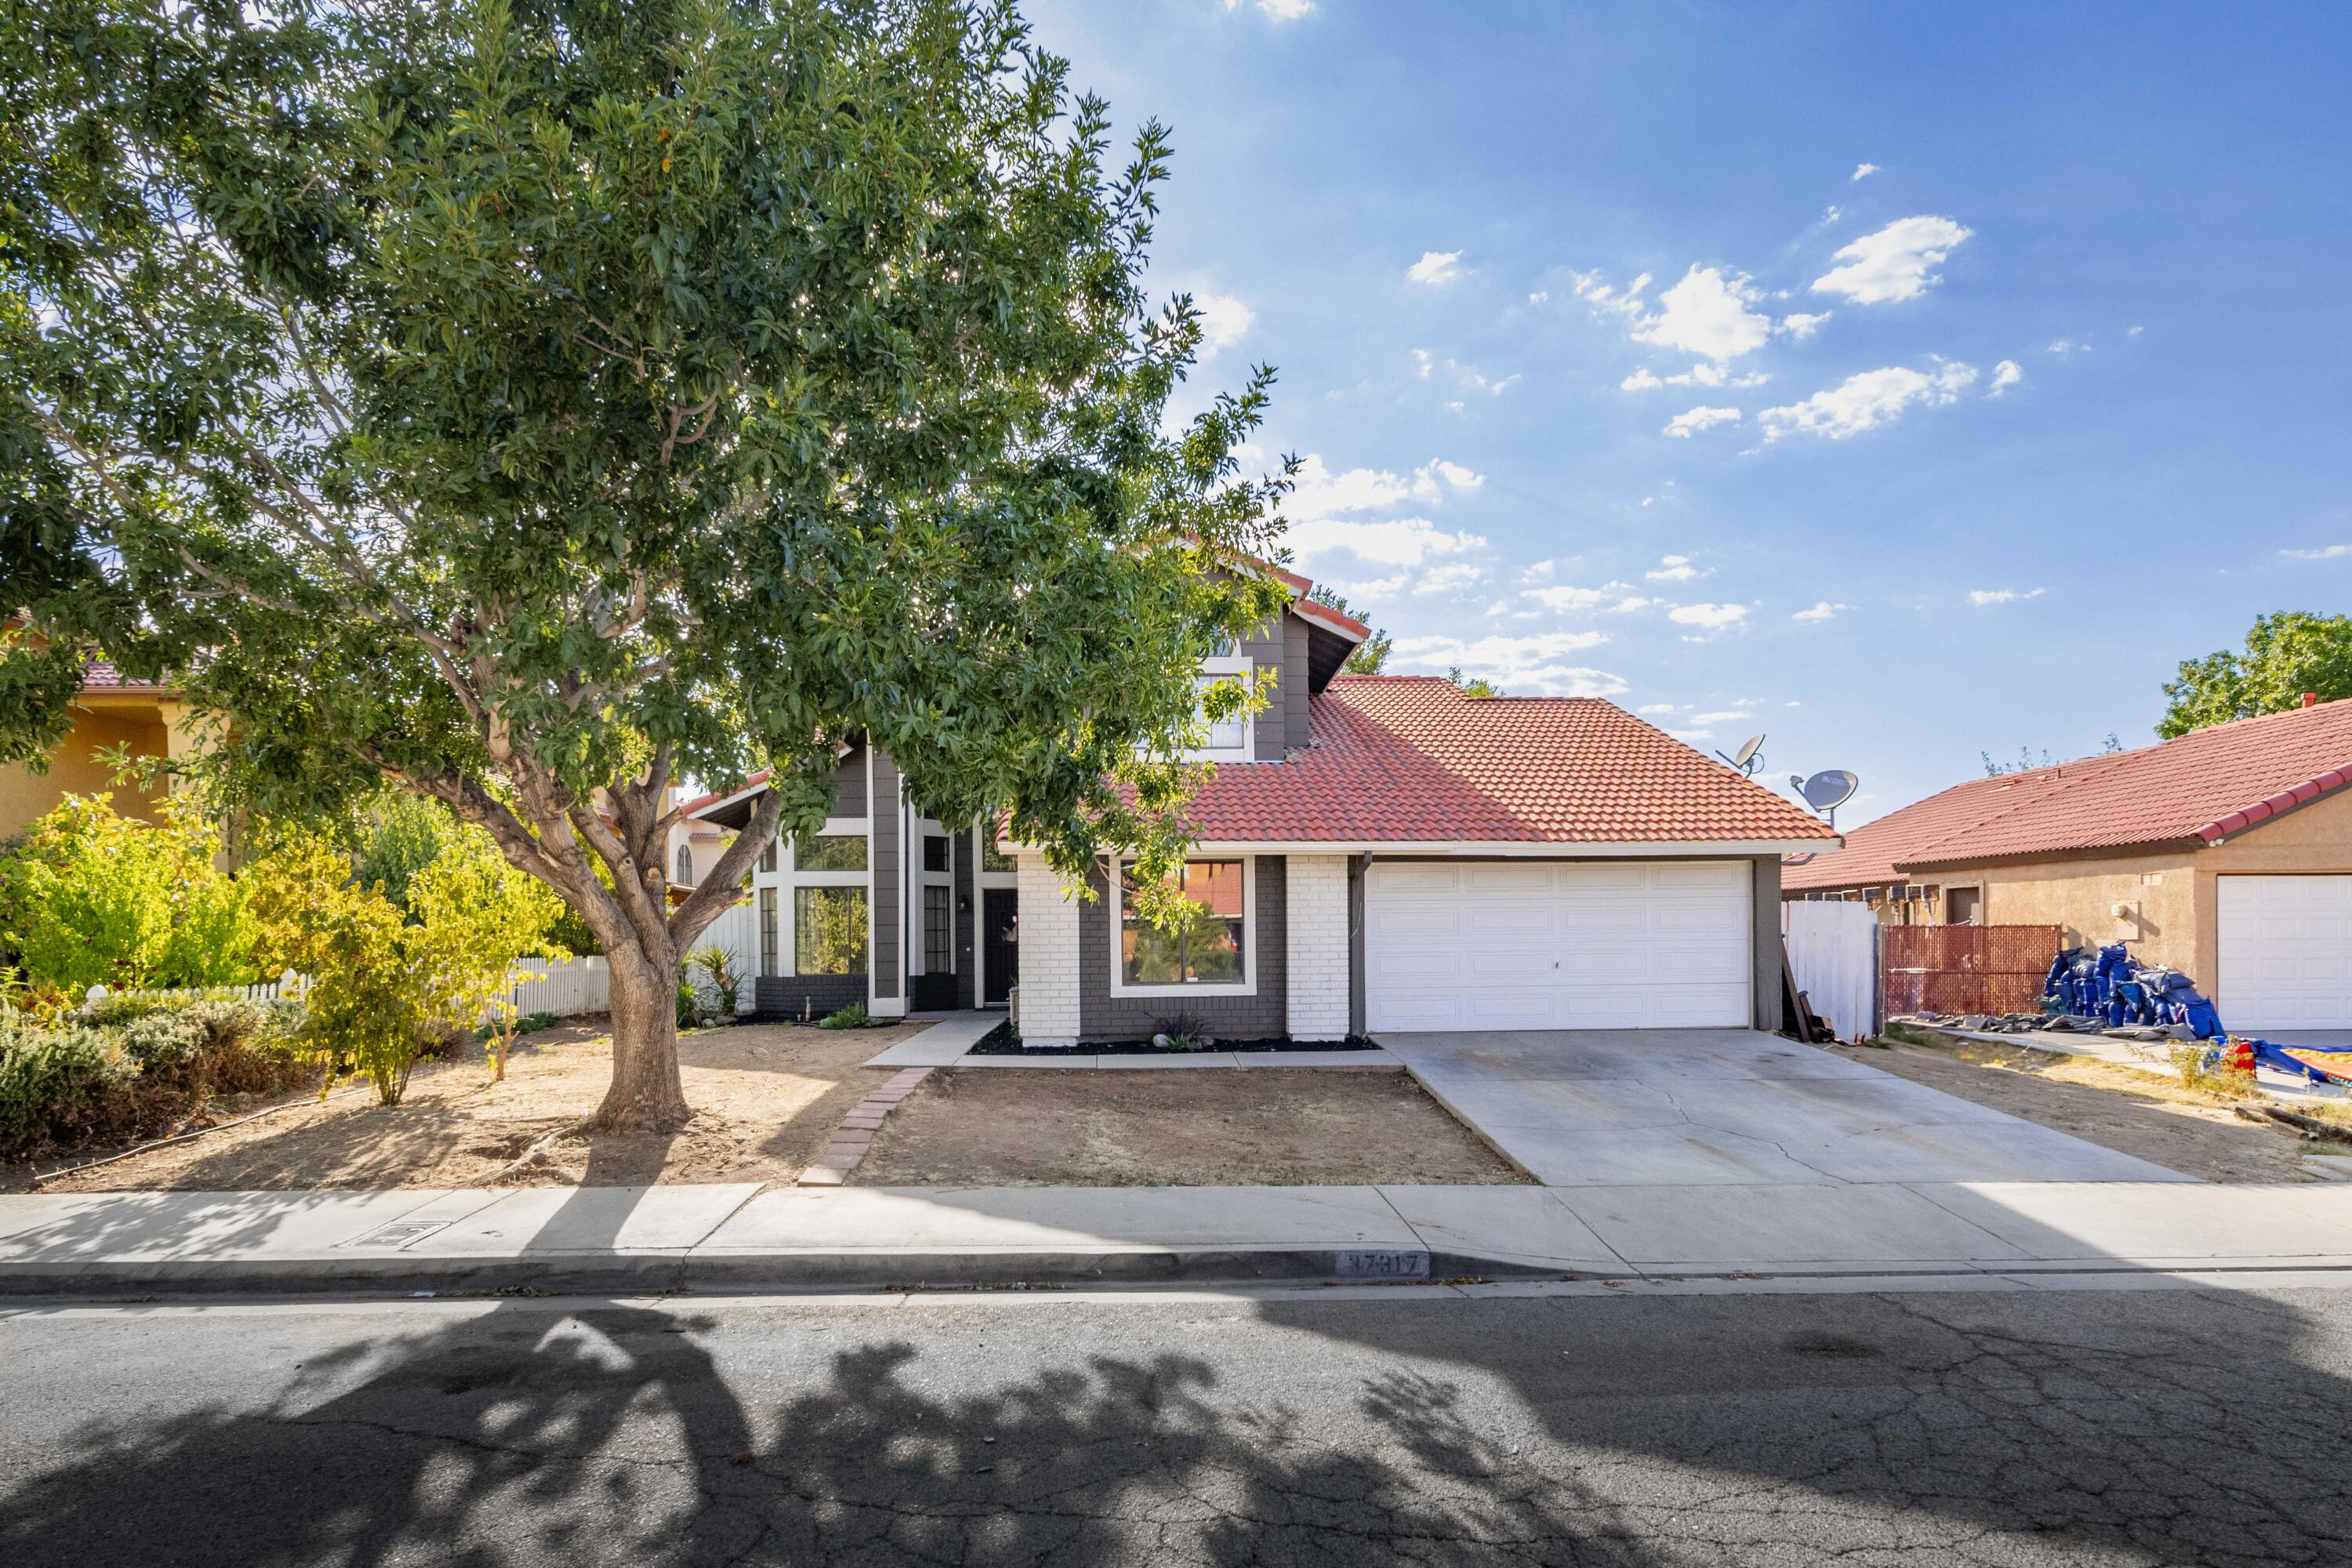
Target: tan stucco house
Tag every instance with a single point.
(111, 711)
(2226, 853)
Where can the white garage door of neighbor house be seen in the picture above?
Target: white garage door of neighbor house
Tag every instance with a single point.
(2285, 958)
(1533, 944)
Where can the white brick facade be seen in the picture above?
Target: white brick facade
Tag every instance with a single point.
(1317, 947)
(1049, 956)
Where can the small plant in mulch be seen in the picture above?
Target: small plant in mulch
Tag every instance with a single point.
(1181, 1032)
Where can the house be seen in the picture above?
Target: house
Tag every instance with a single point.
(109, 712)
(1374, 852)
(2225, 853)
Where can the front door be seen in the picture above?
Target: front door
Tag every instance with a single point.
(1000, 943)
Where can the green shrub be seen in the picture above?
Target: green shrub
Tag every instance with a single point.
(850, 1017)
(56, 1085)
(136, 1067)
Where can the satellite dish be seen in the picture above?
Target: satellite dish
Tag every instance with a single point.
(1745, 759)
(1828, 790)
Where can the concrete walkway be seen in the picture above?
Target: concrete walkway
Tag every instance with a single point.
(721, 1238)
(949, 1042)
(1697, 1108)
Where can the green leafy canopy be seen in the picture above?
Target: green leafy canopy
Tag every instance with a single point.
(541, 405)
(2286, 654)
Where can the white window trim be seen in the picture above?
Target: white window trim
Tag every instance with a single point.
(1248, 985)
(788, 875)
(1245, 669)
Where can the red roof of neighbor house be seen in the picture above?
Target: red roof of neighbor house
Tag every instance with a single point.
(1410, 758)
(1874, 852)
(2195, 789)
(103, 674)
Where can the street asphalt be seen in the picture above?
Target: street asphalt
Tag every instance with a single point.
(1643, 1425)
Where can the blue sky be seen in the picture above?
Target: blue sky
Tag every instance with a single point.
(2033, 319)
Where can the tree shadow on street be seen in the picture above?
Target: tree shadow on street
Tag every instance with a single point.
(609, 1435)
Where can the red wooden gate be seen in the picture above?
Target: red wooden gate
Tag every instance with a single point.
(1966, 969)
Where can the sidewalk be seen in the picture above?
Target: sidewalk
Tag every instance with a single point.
(733, 1237)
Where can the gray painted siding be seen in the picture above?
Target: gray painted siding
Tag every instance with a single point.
(1272, 724)
(1292, 693)
(883, 854)
(1102, 1016)
(1764, 910)
(1357, 865)
(849, 782)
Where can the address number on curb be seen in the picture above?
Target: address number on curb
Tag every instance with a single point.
(1384, 1266)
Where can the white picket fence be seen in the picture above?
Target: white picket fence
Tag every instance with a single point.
(563, 987)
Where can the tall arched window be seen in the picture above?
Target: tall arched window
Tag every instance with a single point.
(685, 874)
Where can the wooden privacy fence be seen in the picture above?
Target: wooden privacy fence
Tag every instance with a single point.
(1966, 969)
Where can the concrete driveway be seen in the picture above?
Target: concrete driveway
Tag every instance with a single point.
(1730, 1107)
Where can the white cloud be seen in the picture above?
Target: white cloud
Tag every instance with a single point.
(1700, 374)
(1451, 577)
(1865, 401)
(1800, 326)
(1314, 489)
(1706, 313)
(1601, 297)
(1861, 171)
(1612, 597)
(1834, 213)
(1437, 267)
(2134, 331)
(2066, 347)
(1694, 419)
(1539, 295)
(1526, 665)
(1437, 477)
(1386, 542)
(2005, 374)
(1821, 612)
(1655, 708)
(1894, 263)
(1674, 569)
(2001, 595)
(1276, 10)
(2325, 552)
(1223, 320)
(1422, 363)
(1721, 716)
(1538, 571)
(1713, 617)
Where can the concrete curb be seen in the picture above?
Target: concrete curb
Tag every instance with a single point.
(667, 1273)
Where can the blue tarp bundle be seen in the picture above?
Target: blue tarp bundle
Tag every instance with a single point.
(2109, 983)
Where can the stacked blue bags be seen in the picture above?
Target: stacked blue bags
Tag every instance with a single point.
(2109, 984)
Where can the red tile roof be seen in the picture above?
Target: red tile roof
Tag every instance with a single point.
(2195, 789)
(1875, 851)
(1410, 758)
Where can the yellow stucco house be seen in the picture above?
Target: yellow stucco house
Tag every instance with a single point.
(2225, 853)
(109, 712)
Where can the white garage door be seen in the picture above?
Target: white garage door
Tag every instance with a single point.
(1533, 944)
(2285, 959)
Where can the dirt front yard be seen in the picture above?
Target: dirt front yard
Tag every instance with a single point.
(2118, 1107)
(766, 1098)
(1204, 1127)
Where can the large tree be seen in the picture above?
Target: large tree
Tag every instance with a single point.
(2285, 655)
(538, 405)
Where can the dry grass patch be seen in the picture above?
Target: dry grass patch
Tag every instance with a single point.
(2154, 1117)
(981, 1127)
(766, 1098)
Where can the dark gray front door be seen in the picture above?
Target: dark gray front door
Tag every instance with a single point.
(1000, 943)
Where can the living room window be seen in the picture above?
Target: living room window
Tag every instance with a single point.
(829, 931)
(829, 852)
(1206, 951)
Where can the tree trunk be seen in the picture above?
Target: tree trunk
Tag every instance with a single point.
(647, 1095)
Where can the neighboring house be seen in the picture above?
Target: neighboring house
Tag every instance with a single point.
(2225, 853)
(1375, 852)
(109, 712)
